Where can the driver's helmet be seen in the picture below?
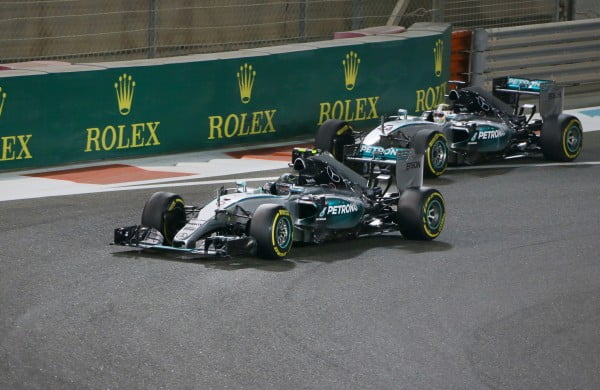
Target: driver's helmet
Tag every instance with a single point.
(441, 113)
(284, 183)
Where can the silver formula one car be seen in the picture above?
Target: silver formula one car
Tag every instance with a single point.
(320, 199)
(476, 126)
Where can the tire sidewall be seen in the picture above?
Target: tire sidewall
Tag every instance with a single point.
(281, 221)
(414, 207)
(433, 201)
(267, 225)
(569, 126)
(555, 138)
(436, 140)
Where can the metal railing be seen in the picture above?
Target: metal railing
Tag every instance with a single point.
(566, 52)
(108, 30)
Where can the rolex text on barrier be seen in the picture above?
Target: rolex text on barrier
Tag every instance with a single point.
(169, 106)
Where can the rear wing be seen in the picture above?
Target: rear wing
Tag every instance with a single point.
(551, 96)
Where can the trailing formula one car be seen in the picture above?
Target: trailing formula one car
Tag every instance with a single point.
(322, 199)
(475, 126)
(379, 146)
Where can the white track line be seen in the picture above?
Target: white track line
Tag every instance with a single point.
(533, 165)
(192, 183)
(78, 189)
(267, 178)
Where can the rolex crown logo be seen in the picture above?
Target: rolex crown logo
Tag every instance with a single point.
(438, 55)
(125, 88)
(2, 100)
(245, 78)
(351, 64)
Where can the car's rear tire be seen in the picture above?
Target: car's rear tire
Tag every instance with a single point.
(436, 155)
(272, 228)
(165, 212)
(333, 135)
(421, 213)
(562, 140)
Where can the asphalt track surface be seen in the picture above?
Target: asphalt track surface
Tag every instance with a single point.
(508, 297)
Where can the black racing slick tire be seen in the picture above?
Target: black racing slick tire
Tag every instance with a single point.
(272, 228)
(165, 212)
(421, 213)
(436, 155)
(562, 139)
(332, 136)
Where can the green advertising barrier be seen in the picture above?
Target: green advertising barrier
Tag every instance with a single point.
(254, 96)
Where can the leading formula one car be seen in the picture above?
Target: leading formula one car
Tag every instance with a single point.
(475, 126)
(321, 199)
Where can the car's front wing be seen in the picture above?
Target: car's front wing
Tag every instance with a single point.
(149, 238)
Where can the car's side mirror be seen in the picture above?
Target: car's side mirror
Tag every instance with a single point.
(299, 164)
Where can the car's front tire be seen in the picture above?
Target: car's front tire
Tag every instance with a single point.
(421, 213)
(332, 136)
(272, 228)
(165, 212)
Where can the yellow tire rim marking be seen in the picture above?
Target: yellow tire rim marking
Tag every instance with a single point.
(573, 122)
(431, 143)
(279, 214)
(443, 215)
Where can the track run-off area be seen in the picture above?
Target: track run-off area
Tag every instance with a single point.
(507, 297)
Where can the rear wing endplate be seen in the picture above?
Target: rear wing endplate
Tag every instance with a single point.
(409, 169)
